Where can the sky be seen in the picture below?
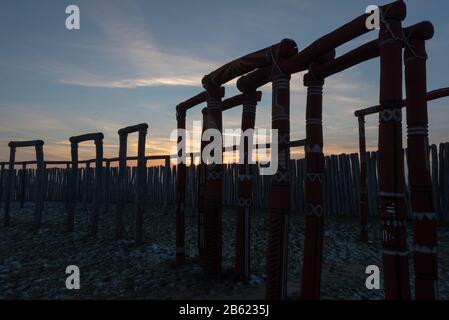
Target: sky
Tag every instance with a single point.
(133, 61)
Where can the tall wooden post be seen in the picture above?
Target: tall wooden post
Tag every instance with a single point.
(98, 185)
(243, 235)
(86, 191)
(276, 280)
(6, 211)
(391, 163)
(140, 185)
(67, 186)
(214, 187)
(181, 188)
(23, 177)
(424, 215)
(107, 188)
(167, 191)
(38, 144)
(73, 188)
(40, 175)
(363, 205)
(2, 176)
(313, 238)
(122, 181)
(202, 189)
(141, 179)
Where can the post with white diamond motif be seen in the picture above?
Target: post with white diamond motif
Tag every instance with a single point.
(391, 164)
(313, 237)
(424, 214)
(276, 281)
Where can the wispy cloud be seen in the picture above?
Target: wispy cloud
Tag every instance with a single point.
(129, 47)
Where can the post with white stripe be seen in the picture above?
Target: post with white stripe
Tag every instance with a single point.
(242, 247)
(391, 164)
(276, 281)
(213, 197)
(313, 238)
(425, 217)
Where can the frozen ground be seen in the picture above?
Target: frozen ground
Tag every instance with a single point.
(32, 265)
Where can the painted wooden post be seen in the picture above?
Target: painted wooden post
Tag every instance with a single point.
(391, 163)
(424, 214)
(313, 238)
(363, 204)
(213, 196)
(276, 281)
(243, 228)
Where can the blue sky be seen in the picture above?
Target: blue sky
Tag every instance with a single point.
(134, 61)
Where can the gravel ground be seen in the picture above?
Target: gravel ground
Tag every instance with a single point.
(32, 265)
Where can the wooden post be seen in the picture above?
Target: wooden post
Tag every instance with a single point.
(2, 175)
(38, 144)
(107, 188)
(40, 175)
(122, 180)
(276, 281)
(67, 186)
(86, 184)
(140, 181)
(181, 188)
(213, 196)
(98, 191)
(243, 228)
(391, 163)
(23, 177)
(140, 184)
(435, 178)
(424, 214)
(313, 239)
(98, 185)
(166, 186)
(363, 204)
(73, 188)
(202, 190)
(12, 157)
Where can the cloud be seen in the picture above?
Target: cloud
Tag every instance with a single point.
(128, 56)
